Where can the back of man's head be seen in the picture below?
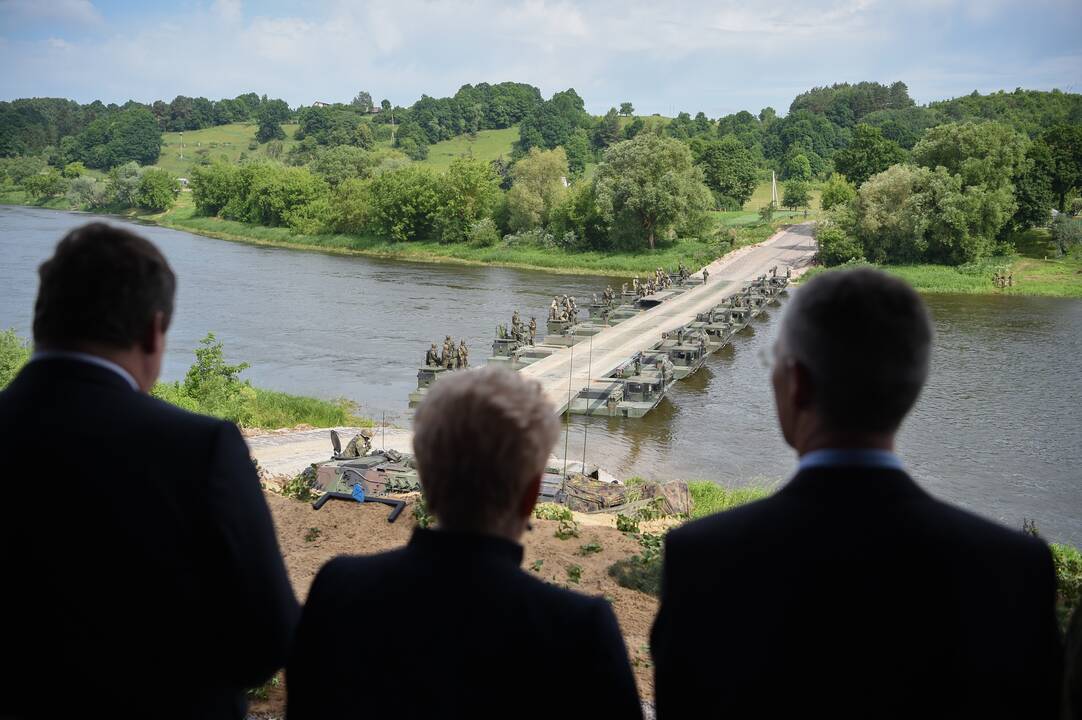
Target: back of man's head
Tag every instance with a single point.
(864, 338)
(101, 289)
(481, 438)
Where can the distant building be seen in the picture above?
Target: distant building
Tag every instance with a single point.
(320, 103)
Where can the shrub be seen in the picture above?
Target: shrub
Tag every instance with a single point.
(627, 523)
(574, 573)
(73, 170)
(158, 189)
(836, 247)
(1066, 233)
(1068, 563)
(567, 530)
(635, 573)
(483, 233)
(45, 185)
(552, 511)
(14, 353)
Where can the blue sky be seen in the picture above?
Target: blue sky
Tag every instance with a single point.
(718, 57)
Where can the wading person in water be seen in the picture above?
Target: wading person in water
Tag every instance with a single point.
(150, 557)
(468, 634)
(851, 592)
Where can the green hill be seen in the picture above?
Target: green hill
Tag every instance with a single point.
(182, 150)
(487, 145)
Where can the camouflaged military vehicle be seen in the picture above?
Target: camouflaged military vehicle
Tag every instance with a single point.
(362, 475)
(425, 377)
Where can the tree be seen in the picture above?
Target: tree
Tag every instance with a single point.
(836, 247)
(607, 131)
(363, 102)
(538, 188)
(1033, 188)
(647, 185)
(837, 192)
(729, 169)
(342, 162)
(269, 130)
(553, 122)
(385, 105)
(73, 170)
(468, 192)
(633, 128)
(578, 152)
(627, 109)
(45, 185)
(796, 194)
(1066, 233)
(363, 137)
(868, 153)
(118, 138)
(403, 203)
(980, 153)
(796, 166)
(158, 189)
(1065, 147)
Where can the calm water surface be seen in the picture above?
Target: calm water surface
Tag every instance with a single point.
(998, 429)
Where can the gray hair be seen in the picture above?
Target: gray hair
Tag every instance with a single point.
(480, 437)
(865, 338)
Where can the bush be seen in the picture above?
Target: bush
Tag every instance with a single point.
(552, 511)
(14, 353)
(86, 192)
(45, 185)
(1066, 233)
(1075, 206)
(1068, 564)
(641, 572)
(483, 233)
(73, 170)
(158, 190)
(836, 247)
(838, 191)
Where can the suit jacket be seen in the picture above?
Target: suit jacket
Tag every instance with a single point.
(853, 593)
(141, 573)
(451, 627)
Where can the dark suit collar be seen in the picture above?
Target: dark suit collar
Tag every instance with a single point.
(463, 543)
(55, 369)
(854, 482)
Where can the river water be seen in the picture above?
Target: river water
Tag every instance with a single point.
(998, 429)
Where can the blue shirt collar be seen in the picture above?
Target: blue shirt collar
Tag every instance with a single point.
(86, 358)
(856, 457)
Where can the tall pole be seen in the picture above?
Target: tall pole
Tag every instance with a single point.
(773, 190)
(589, 379)
(567, 426)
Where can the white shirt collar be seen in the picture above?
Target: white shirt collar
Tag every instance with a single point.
(86, 358)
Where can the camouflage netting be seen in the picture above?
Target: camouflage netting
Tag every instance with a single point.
(585, 494)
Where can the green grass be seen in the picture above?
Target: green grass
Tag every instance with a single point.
(487, 146)
(709, 497)
(181, 151)
(1036, 269)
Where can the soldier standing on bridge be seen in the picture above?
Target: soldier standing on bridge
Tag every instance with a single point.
(463, 354)
(706, 275)
(533, 329)
(432, 357)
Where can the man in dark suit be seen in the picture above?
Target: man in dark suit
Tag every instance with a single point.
(851, 592)
(450, 626)
(142, 577)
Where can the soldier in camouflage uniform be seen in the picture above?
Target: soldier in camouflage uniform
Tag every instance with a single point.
(448, 356)
(533, 330)
(432, 357)
(359, 445)
(464, 354)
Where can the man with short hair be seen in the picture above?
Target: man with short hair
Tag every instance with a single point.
(142, 577)
(450, 626)
(851, 592)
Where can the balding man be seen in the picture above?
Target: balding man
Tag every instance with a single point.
(138, 550)
(852, 592)
(450, 626)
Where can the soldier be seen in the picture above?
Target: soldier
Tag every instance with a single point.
(432, 357)
(788, 273)
(463, 355)
(448, 357)
(638, 364)
(360, 445)
(623, 289)
(554, 309)
(533, 330)
(1010, 279)
(651, 287)
(636, 284)
(706, 275)
(516, 320)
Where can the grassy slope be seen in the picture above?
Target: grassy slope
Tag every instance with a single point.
(487, 146)
(181, 150)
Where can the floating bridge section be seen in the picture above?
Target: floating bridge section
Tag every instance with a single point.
(567, 371)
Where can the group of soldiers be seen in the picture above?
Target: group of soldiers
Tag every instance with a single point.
(1002, 280)
(520, 331)
(563, 309)
(451, 357)
(608, 298)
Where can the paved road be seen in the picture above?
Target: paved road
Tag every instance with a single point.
(794, 247)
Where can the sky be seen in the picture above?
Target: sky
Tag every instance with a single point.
(716, 56)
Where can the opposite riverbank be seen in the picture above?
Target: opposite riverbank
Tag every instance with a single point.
(1035, 267)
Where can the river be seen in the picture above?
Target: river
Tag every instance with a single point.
(996, 430)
